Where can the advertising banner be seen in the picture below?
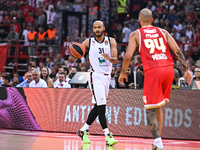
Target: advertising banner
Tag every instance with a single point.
(3, 56)
(66, 110)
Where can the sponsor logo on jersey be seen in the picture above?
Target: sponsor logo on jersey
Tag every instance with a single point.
(106, 42)
(145, 99)
(93, 43)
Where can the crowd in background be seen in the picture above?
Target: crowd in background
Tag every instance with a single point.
(35, 21)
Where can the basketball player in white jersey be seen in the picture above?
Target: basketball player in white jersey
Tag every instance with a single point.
(102, 54)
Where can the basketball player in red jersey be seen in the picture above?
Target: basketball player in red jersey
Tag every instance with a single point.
(154, 44)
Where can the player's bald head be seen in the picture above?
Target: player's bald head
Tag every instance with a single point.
(145, 15)
(98, 22)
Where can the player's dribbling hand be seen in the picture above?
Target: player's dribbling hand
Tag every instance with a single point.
(122, 77)
(188, 76)
(105, 56)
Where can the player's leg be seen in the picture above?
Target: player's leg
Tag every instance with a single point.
(159, 117)
(154, 128)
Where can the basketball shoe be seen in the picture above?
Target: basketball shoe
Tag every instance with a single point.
(84, 136)
(110, 140)
(154, 147)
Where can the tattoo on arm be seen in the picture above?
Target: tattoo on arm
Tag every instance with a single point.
(181, 58)
(152, 122)
(123, 70)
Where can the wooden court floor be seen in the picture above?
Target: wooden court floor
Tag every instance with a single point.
(31, 140)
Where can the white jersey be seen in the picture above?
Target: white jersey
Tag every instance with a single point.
(97, 61)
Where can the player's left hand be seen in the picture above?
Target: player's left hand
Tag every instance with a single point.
(121, 78)
(106, 56)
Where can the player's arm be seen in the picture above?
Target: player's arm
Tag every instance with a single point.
(113, 52)
(86, 43)
(132, 45)
(179, 55)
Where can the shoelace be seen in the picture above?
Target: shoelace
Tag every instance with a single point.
(110, 135)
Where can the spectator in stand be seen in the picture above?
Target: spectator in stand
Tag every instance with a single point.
(197, 73)
(168, 25)
(32, 51)
(70, 62)
(59, 59)
(45, 77)
(62, 82)
(37, 81)
(21, 4)
(150, 6)
(188, 29)
(40, 22)
(164, 14)
(49, 62)
(78, 7)
(161, 23)
(25, 35)
(197, 6)
(53, 74)
(26, 9)
(42, 40)
(20, 78)
(132, 24)
(20, 20)
(17, 26)
(64, 70)
(176, 35)
(67, 44)
(130, 83)
(41, 65)
(182, 16)
(3, 73)
(172, 16)
(178, 26)
(30, 20)
(7, 19)
(6, 81)
(188, 5)
(186, 40)
(50, 14)
(117, 35)
(12, 39)
(196, 54)
(191, 14)
(125, 35)
(51, 32)
(138, 63)
(28, 80)
(4, 30)
(178, 7)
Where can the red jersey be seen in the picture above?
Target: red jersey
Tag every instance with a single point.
(154, 50)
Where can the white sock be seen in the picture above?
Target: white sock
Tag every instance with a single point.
(85, 127)
(158, 142)
(106, 131)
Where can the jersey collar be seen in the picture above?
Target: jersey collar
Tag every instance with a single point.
(98, 41)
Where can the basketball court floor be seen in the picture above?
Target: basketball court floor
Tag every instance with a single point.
(32, 140)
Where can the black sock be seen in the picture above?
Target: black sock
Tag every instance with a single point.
(102, 116)
(92, 115)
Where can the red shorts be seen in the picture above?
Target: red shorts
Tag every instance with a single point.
(157, 86)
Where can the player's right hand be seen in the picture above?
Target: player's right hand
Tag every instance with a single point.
(122, 77)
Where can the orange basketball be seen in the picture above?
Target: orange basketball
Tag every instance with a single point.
(77, 50)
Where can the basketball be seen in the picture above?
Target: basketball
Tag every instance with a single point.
(77, 50)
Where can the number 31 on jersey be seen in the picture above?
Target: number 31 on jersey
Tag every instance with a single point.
(155, 43)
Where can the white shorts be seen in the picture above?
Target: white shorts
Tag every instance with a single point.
(99, 85)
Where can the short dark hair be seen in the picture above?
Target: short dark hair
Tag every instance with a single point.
(7, 77)
(66, 69)
(62, 73)
(77, 68)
